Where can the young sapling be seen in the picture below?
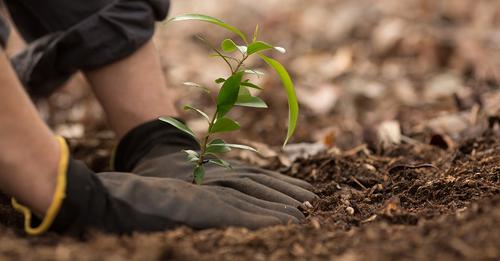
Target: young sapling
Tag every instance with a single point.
(234, 91)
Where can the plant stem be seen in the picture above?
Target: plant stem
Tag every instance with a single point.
(204, 143)
(224, 57)
(205, 140)
(212, 122)
(215, 50)
(245, 56)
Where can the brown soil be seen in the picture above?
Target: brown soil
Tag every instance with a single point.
(410, 201)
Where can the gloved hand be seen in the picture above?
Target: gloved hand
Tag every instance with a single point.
(259, 183)
(154, 150)
(128, 202)
(160, 194)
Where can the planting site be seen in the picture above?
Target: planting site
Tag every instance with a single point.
(398, 132)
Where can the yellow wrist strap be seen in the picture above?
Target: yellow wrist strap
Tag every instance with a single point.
(57, 200)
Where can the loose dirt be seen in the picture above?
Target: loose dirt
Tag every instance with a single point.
(410, 202)
(430, 67)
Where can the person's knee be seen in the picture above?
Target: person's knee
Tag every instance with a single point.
(107, 35)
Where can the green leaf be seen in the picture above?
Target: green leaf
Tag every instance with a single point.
(217, 146)
(218, 143)
(256, 33)
(220, 162)
(224, 125)
(198, 174)
(220, 80)
(260, 46)
(218, 53)
(228, 94)
(209, 19)
(243, 91)
(193, 84)
(187, 107)
(224, 56)
(179, 125)
(250, 101)
(236, 146)
(246, 99)
(254, 72)
(293, 106)
(251, 85)
(192, 155)
(228, 45)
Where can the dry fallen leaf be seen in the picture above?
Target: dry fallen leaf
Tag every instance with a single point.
(389, 133)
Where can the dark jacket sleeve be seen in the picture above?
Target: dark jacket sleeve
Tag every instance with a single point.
(4, 33)
(67, 36)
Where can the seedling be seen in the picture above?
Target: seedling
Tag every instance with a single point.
(234, 91)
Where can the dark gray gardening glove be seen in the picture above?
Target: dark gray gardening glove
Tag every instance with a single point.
(154, 150)
(122, 203)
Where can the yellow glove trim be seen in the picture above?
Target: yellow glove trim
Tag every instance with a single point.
(57, 199)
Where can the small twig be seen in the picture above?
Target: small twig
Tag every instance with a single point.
(215, 50)
(328, 161)
(370, 219)
(410, 140)
(356, 150)
(225, 56)
(359, 183)
(245, 56)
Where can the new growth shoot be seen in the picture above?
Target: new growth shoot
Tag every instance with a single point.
(234, 91)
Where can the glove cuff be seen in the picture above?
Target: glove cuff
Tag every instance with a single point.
(57, 199)
(138, 142)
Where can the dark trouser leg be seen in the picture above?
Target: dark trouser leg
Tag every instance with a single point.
(4, 32)
(66, 36)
